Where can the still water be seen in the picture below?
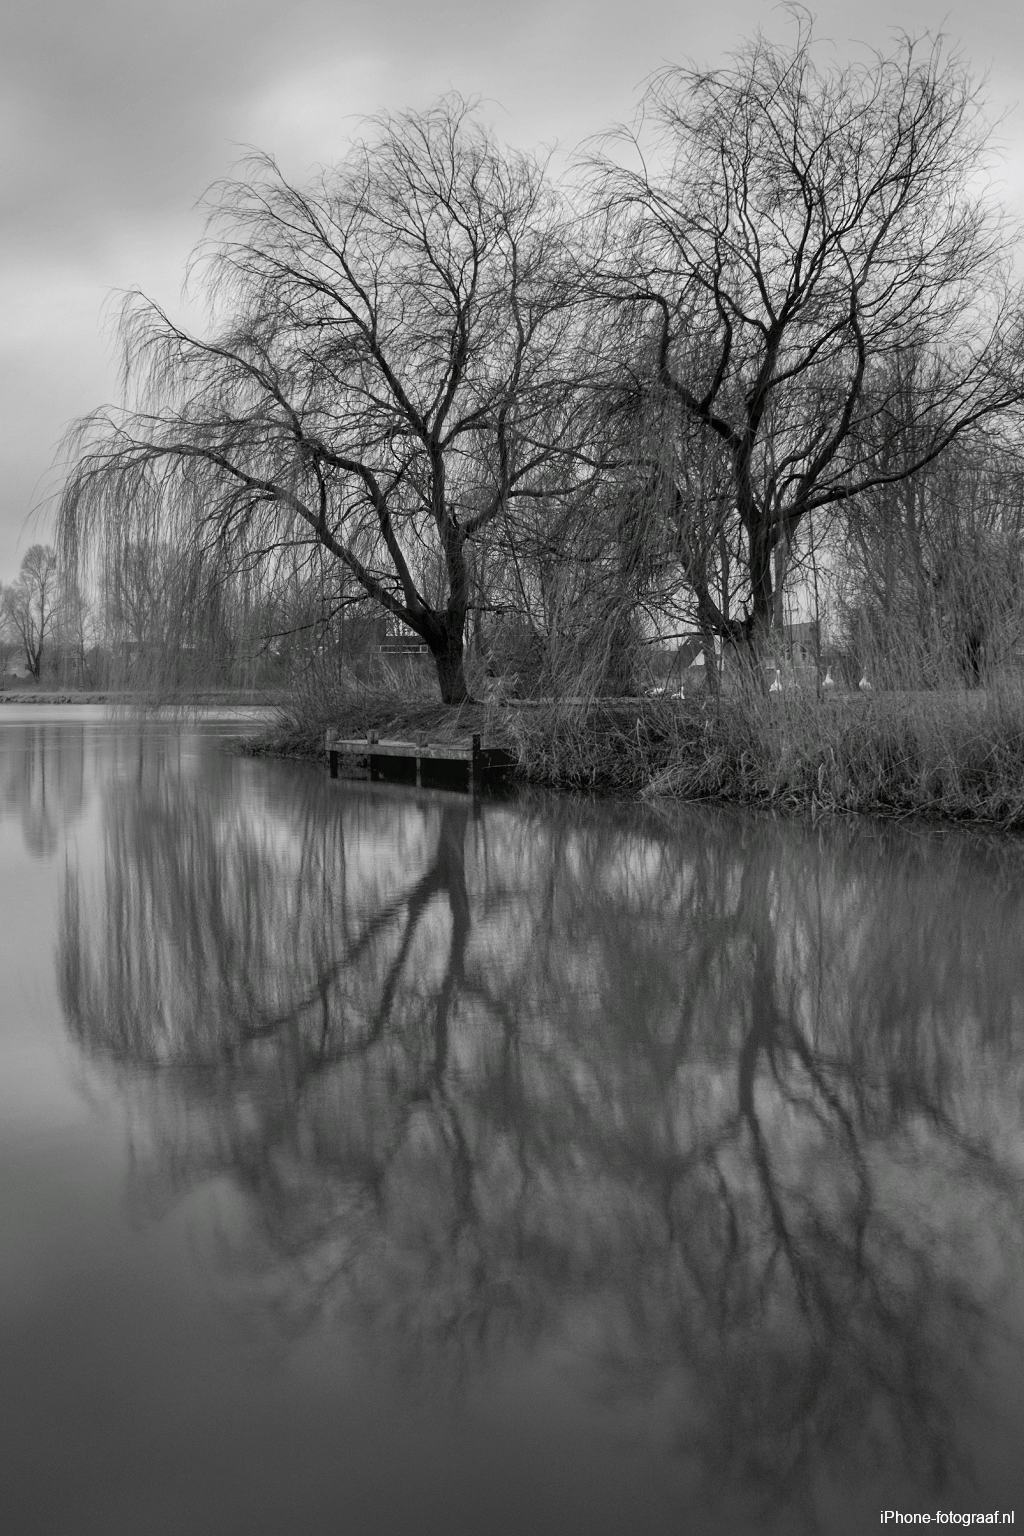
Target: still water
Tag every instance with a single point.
(374, 1162)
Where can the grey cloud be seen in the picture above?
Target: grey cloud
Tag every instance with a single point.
(132, 106)
(120, 107)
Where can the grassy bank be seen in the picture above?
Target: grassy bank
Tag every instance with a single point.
(948, 756)
(215, 698)
(953, 755)
(297, 732)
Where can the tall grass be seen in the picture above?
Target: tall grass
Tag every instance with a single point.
(949, 755)
(389, 696)
(954, 755)
(919, 742)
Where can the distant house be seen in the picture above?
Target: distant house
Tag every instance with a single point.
(670, 663)
(803, 641)
(405, 643)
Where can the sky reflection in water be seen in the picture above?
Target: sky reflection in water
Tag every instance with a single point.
(539, 1166)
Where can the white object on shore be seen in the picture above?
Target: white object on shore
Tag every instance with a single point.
(828, 681)
(864, 685)
(776, 687)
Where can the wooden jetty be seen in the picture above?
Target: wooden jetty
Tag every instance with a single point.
(465, 765)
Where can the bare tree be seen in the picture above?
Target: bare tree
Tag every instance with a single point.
(381, 375)
(30, 604)
(791, 232)
(928, 571)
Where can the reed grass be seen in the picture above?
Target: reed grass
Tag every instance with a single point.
(946, 755)
(392, 699)
(951, 754)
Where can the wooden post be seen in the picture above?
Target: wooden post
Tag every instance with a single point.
(333, 760)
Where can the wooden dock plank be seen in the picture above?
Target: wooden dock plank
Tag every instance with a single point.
(467, 763)
(360, 747)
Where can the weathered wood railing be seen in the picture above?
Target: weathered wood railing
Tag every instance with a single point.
(443, 765)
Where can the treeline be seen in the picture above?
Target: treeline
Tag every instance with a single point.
(145, 628)
(768, 340)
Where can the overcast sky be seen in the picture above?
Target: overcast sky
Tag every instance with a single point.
(115, 115)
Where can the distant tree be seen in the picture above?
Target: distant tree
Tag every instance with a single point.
(792, 232)
(78, 634)
(382, 375)
(30, 604)
(929, 570)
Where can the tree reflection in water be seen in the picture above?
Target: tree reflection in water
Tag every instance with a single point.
(722, 1109)
(42, 781)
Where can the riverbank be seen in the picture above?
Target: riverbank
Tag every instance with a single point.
(123, 699)
(948, 756)
(61, 696)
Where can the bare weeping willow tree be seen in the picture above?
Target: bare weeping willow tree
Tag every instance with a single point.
(384, 375)
(792, 231)
(929, 574)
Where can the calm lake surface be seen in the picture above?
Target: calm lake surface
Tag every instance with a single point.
(371, 1162)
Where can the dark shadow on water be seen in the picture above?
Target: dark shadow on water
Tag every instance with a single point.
(721, 1115)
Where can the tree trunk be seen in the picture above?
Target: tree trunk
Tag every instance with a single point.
(710, 660)
(451, 677)
(781, 560)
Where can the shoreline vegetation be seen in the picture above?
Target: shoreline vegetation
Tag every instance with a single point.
(955, 756)
(948, 755)
(140, 700)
